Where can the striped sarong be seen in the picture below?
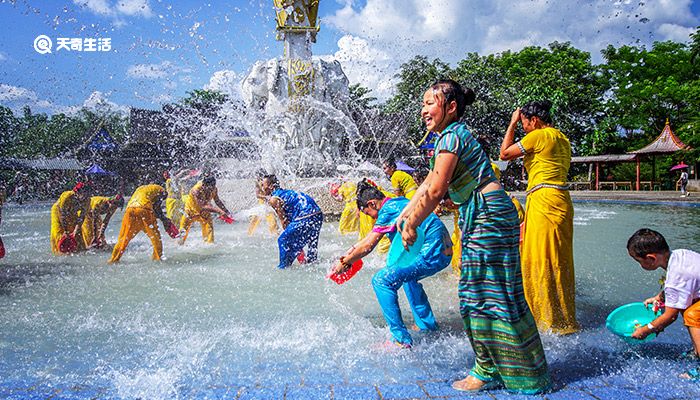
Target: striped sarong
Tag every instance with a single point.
(496, 316)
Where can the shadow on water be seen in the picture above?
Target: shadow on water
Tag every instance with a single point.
(23, 275)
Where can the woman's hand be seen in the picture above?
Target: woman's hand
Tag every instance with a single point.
(515, 118)
(408, 235)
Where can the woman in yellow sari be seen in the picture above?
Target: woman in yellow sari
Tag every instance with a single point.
(547, 248)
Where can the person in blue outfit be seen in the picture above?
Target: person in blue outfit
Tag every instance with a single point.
(301, 220)
(435, 255)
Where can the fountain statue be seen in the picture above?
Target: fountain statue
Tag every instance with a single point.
(298, 102)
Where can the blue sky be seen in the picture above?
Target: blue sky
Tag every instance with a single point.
(162, 49)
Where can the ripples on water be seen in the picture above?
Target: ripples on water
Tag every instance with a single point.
(222, 315)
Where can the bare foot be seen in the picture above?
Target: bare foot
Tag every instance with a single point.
(469, 384)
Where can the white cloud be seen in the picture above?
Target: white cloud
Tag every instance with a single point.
(16, 97)
(140, 8)
(9, 93)
(367, 65)
(100, 7)
(382, 34)
(96, 101)
(226, 82)
(3, 57)
(134, 7)
(155, 71)
(674, 32)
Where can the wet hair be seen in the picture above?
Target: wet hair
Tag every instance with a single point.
(209, 180)
(390, 162)
(272, 178)
(260, 174)
(452, 91)
(646, 241)
(539, 108)
(366, 191)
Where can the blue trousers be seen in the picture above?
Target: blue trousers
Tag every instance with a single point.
(386, 283)
(300, 233)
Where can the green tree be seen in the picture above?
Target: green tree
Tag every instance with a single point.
(414, 78)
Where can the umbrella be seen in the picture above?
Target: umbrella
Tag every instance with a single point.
(97, 170)
(402, 166)
(682, 165)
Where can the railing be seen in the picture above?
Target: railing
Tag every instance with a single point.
(615, 185)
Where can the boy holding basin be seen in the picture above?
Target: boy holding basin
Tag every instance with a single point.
(435, 255)
(681, 290)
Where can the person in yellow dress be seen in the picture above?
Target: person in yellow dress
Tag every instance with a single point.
(401, 182)
(547, 247)
(198, 208)
(144, 206)
(96, 219)
(67, 215)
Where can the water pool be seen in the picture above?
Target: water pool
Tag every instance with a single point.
(221, 321)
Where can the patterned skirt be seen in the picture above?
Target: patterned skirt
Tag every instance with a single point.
(496, 316)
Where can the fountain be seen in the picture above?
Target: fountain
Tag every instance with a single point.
(299, 103)
(220, 321)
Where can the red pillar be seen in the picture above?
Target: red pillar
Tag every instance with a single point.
(597, 172)
(637, 157)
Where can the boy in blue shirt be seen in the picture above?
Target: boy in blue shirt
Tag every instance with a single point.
(435, 255)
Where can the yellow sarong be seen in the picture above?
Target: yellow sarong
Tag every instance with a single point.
(548, 260)
(256, 219)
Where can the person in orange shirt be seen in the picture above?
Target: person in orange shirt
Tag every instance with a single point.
(141, 212)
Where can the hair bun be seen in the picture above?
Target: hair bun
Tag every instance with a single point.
(469, 96)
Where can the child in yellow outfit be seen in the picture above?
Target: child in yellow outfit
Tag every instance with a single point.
(198, 208)
(95, 224)
(67, 215)
(141, 212)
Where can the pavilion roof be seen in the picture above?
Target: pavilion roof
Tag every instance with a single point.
(666, 142)
(604, 158)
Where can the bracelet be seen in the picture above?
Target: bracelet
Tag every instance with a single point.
(650, 327)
